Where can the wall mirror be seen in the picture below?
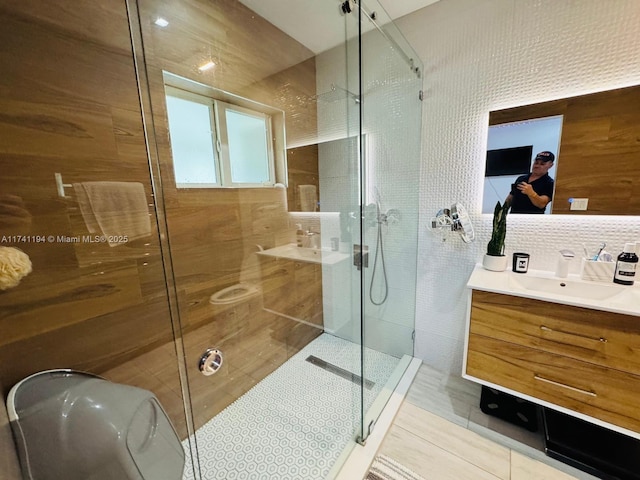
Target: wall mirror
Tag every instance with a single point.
(596, 142)
(320, 175)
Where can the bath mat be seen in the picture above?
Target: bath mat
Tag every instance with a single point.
(384, 468)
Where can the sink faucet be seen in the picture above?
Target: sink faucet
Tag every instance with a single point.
(314, 239)
(562, 270)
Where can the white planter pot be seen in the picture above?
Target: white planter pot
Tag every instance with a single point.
(493, 263)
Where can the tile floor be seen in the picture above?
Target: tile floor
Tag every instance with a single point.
(440, 433)
(287, 427)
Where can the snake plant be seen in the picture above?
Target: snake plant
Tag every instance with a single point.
(496, 244)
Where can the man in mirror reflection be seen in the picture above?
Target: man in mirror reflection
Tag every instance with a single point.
(531, 193)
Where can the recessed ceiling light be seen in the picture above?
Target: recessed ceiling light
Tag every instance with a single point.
(206, 66)
(161, 22)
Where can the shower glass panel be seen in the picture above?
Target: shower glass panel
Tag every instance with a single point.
(252, 279)
(391, 79)
(77, 198)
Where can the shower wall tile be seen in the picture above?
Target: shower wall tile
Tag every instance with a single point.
(489, 55)
(388, 337)
(395, 310)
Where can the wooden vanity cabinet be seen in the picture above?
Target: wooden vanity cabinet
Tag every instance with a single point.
(582, 360)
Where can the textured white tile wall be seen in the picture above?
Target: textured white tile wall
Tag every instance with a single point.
(483, 55)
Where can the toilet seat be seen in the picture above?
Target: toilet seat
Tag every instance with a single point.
(234, 293)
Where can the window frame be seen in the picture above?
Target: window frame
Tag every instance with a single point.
(201, 99)
(218, 101)
(221, 109)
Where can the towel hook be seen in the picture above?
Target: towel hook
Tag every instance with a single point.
(60, 186)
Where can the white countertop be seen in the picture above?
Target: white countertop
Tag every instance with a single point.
(303, 254)
(542, 285)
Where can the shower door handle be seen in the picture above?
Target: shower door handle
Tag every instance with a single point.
(210, 362)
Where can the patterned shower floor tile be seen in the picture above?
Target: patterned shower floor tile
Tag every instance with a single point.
(296, 422)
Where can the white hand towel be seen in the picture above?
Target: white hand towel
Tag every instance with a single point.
(117, 210)
(308, 198)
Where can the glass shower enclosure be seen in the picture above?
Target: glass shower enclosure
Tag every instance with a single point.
(287, 163)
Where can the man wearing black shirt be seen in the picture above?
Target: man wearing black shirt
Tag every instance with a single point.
(532, 192)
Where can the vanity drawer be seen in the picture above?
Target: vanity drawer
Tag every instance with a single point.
(609, 395)
(603, 338)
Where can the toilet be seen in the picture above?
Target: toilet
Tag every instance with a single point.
(234, 293)
(244, 289)
(77, 426)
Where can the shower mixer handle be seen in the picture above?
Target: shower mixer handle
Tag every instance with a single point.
(392, 216)
(360, 256)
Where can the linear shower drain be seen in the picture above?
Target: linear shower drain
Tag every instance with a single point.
(341, 372)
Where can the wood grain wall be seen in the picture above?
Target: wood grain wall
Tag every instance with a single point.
(599, 156)
(69, 104)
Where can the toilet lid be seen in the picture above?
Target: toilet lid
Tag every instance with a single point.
(33, 390)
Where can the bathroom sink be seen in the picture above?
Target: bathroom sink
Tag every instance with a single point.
(545, 286)
(566, 287)
(313, 255)
(307, 252)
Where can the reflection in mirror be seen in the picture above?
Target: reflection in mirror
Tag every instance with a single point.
(513, 164)
(320, 176)
(302, 169)
(599, 147)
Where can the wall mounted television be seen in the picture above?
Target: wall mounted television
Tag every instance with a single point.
(509, 161)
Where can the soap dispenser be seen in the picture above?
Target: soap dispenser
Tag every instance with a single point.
(299, 235)
(626, 265)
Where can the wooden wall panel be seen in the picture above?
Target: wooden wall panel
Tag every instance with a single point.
(69, 104)
(599, 150)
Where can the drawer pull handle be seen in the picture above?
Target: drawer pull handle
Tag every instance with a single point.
(558, 384)
(597, 339)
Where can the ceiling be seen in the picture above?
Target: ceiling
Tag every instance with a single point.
(319, 24)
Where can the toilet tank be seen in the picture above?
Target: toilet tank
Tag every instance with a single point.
(77, 426)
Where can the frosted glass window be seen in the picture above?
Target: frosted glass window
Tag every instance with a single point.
(247, 137)
(220, 144)
(191, 142)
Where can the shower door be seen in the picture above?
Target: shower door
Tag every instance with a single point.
(377, 198)
(391, 121)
